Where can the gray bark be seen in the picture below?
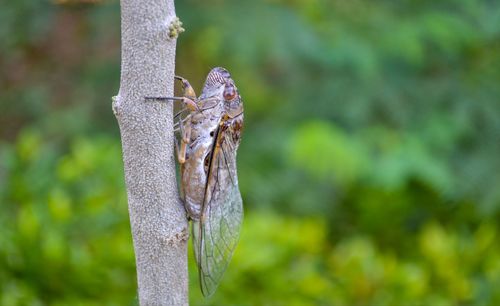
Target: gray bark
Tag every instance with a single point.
(157, 217)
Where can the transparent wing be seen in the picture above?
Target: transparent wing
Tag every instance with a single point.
(216, 234)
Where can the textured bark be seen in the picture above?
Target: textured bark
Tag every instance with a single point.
(157, 217)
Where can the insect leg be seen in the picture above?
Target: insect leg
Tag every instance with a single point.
(187, 89)
(179, 113)
(176, 146)
(188, 95)
(185, 131)
(180, 122)
(189, 103)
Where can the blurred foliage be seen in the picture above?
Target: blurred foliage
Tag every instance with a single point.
(369, 166)
(65, 236)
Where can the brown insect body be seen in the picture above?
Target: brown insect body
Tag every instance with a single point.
(193, 170)
(210, 137)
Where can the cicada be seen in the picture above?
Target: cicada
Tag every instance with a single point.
(209, 136)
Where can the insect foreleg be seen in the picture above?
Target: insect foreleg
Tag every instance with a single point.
(187, 89)
(189, 103)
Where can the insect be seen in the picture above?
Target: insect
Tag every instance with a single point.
(209, 137)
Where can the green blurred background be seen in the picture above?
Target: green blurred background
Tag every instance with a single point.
(369, 166)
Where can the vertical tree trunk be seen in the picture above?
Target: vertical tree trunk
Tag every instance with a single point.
(158, 220)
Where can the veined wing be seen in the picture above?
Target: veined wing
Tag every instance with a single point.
(216, 233)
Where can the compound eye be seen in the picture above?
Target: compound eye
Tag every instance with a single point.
(229, 92)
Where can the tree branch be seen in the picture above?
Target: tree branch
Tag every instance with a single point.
(157, 217)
